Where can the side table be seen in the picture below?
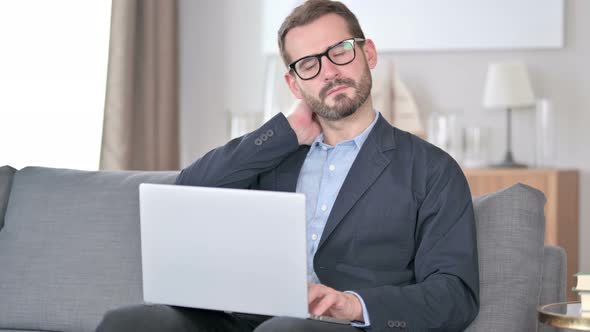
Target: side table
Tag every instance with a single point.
(565, 315)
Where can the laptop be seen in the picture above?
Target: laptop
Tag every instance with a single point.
(231, 250)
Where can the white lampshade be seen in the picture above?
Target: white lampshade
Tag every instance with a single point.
(508, 86)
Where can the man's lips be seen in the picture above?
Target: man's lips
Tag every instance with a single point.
(337, 85)
(336, 89)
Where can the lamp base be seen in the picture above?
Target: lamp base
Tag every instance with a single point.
(508, 161)
(508, 164)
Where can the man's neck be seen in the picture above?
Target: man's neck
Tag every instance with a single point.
(348, 127)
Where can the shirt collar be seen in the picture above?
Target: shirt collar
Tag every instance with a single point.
(357, 141)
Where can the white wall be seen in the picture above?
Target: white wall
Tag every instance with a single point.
(221, 70)
(245, 61)
(215, 79)
(202, 77)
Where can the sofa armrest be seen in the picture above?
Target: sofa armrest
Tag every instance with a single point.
(553, 280)
(6, 175)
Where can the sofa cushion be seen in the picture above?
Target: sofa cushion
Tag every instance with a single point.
(70, 247)
(510, 236)
(6, 174)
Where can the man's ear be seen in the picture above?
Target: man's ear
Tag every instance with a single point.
(293, 86)
(370, 53)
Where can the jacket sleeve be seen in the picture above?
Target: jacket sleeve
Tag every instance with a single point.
(445, 296)
(238, 163)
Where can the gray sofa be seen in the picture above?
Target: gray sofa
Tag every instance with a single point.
(70, 250)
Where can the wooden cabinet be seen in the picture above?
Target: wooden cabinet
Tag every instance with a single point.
(561, 187)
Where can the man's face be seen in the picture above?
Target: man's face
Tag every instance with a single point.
(337, 91)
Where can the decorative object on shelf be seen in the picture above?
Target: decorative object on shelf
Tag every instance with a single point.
(475, 144)
(508, 87)
(382, 90)
(443, 130)
(395, 101)
(545, 134)
(406, 114)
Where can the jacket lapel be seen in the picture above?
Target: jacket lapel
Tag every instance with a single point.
(288, 171)
(366, 169)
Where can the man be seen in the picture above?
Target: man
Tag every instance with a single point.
(390, 221)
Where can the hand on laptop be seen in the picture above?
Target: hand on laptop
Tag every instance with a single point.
(325, 301)
(304, 123)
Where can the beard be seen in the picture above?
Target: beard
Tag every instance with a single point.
(343, 105)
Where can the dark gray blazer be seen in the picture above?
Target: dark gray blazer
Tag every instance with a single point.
(401, 232)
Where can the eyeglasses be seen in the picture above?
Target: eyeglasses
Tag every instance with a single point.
(340, 54)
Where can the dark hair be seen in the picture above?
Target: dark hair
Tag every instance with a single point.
(310, 11)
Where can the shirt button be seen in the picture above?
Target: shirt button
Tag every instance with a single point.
(314, 237)
(324, 148)
(332, 167)
(324, 207)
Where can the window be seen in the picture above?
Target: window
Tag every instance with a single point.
(53, 66)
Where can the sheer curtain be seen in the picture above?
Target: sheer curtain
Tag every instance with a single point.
(140, 129)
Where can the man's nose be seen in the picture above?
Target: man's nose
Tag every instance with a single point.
(330, 70)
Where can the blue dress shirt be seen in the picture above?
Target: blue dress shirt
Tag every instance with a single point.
(322, 174)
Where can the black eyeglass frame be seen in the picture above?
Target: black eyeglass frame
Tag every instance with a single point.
(326, 53)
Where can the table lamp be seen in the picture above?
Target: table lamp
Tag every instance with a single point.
(508, 87)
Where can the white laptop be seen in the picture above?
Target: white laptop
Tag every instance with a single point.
(225, 249)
